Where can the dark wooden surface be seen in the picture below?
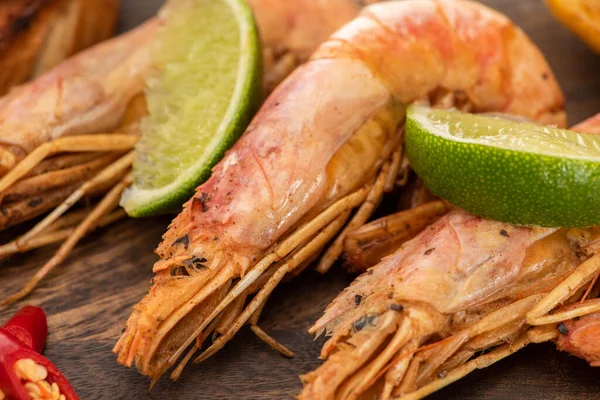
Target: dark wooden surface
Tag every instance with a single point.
(89, 297)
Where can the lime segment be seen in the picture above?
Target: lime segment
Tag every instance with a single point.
(509, 171)
(203, 95)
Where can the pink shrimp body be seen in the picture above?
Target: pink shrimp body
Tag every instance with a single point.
(301, 28)
(459, 271)
(290, 33)
(90, 92)
(85, 94)
(450, 276)
(581, 338)
(299, 154)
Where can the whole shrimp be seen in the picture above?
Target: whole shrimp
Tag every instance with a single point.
(289, 184)
(413, 323)
(90, 93)
(465, 284)
(290, 33)
(91, 105)
(36, 35)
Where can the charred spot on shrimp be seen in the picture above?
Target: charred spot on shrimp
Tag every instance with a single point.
(504, 233)
(357, 299)
(195, 262)
(397, 307)
(183, 240)
(201, 201)
(364, 321)
(179, 271)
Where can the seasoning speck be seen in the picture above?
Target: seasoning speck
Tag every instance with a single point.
(562, 328)
(428, 252)
(35, 202)
(504, 233)
(365, 320)
(357, 299)
(203, 200)
(397, 307)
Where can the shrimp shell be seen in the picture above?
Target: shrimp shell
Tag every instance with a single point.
(289, 183)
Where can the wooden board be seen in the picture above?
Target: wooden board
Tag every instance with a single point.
(89, 297)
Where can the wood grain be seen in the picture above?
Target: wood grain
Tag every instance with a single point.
(90, 296)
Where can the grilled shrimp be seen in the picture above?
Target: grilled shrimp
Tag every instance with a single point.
(91, 92)
(291, 33)
(101, 91)
(581, 337)
(36, 35)
(412, 323)
(290, 183)
(464, 282)
(364, 247)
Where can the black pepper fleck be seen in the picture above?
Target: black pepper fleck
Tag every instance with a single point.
(35, 202)
(362, 322)
(504, 233)
(202, 200)
(357, 299)
(562, 328)
(397, 307)
(428, 252)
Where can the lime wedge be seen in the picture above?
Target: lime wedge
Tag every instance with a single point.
(204, 94)
(509, 171)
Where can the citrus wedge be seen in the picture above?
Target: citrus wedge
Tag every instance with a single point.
(509, 171)
(204, 94)
(582, 17)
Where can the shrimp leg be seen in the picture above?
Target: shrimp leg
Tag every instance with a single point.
(480, 362)
(93, 143)
(362, 215)
(108, 203)
(367, 245)
(582, 275)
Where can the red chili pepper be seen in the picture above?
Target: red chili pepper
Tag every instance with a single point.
(24, 336)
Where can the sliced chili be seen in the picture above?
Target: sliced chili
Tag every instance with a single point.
(23, 338)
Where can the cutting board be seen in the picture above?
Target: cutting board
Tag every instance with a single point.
(89, 297)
